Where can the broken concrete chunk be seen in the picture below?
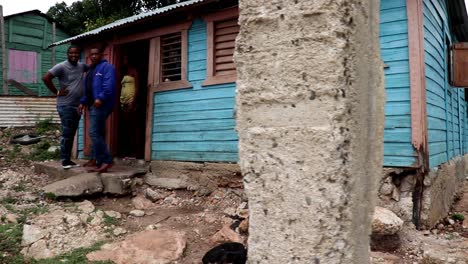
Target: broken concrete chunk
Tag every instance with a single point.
(385, 222)
(82, 184)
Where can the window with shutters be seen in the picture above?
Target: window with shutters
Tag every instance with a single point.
(222, 30)
(168, 55)
(459, 74)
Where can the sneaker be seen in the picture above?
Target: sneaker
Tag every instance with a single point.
(68, 164)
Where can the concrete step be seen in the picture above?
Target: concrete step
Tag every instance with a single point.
(77, 182)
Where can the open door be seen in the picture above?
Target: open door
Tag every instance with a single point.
(125, 132)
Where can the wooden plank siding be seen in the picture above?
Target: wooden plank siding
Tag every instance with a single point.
(195, 124)
(398, 150)
(446, 106)
(32, 32)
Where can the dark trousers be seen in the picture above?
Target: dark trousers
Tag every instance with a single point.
(97, 132)
(69, 118)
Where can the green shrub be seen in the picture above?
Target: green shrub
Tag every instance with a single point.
(41, 152)
(44, 125)
(458, 217)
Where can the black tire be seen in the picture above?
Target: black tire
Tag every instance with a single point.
(25, 139)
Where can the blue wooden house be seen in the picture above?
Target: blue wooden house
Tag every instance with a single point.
(186, 92)
(425, 113)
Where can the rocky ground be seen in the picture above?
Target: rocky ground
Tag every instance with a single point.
(164, 225)
(445, 243)
(149, 224)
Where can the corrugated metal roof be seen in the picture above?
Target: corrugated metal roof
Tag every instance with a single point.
(25, 111)
(129, 20)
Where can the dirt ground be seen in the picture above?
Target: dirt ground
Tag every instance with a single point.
(199, 217)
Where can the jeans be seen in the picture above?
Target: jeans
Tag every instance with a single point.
(69, 118)
(97, 132)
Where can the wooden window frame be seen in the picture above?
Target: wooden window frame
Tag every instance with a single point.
(459, 60)
(211, 19)
(155, 57)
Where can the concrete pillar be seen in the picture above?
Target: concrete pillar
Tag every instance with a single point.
(310, 119)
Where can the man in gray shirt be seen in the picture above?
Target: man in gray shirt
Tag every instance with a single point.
(70, 77)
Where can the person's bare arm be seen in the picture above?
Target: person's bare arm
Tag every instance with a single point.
(47, 79)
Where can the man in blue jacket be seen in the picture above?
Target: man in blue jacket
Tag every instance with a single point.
(99, 97)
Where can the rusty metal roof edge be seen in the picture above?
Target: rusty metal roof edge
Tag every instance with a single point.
(129, 20)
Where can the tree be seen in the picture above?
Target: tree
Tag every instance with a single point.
(82, 16)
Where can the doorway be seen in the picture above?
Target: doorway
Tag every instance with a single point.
(132, 67)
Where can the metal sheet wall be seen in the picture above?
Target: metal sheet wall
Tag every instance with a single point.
(25, 111)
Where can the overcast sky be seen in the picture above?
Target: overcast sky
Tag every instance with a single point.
(18, 6)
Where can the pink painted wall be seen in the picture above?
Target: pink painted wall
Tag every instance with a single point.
(22, 66)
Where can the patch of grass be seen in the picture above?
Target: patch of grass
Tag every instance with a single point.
(50, 196)
(458, 217)
(7, 201)
(25, 213)
(41, 153)
(109, 220)
(7, 133)
(10, 243)
(76, 256)
(20, 187)
(13, 153)
(44, 125)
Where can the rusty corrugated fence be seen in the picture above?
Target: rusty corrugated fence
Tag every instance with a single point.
(25, 111)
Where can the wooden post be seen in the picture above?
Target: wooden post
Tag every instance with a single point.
(53, 41)
(4, 66)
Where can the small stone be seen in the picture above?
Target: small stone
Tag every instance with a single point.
(244, 226)
(113, 214)
(386, 188)
(435, 231)
(451, 221)
(86, 206)
(53, 149)
(153, 195)
(11, 218)
(150, 227)
(243, 213)
(84, 218)
(175, 201)
(72, 220)
(230, 211)
(226, 234)
(137, 213)
(141, 203)
(440, 226)
(100, 213)
(168, 199)
(426, 232)
(119, 231)
(96, 221)
(385, 222)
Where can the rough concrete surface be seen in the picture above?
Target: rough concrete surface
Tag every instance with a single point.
(310, 115)
(55, 171)
(82, 184)
(181, 175)
(441, 186)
